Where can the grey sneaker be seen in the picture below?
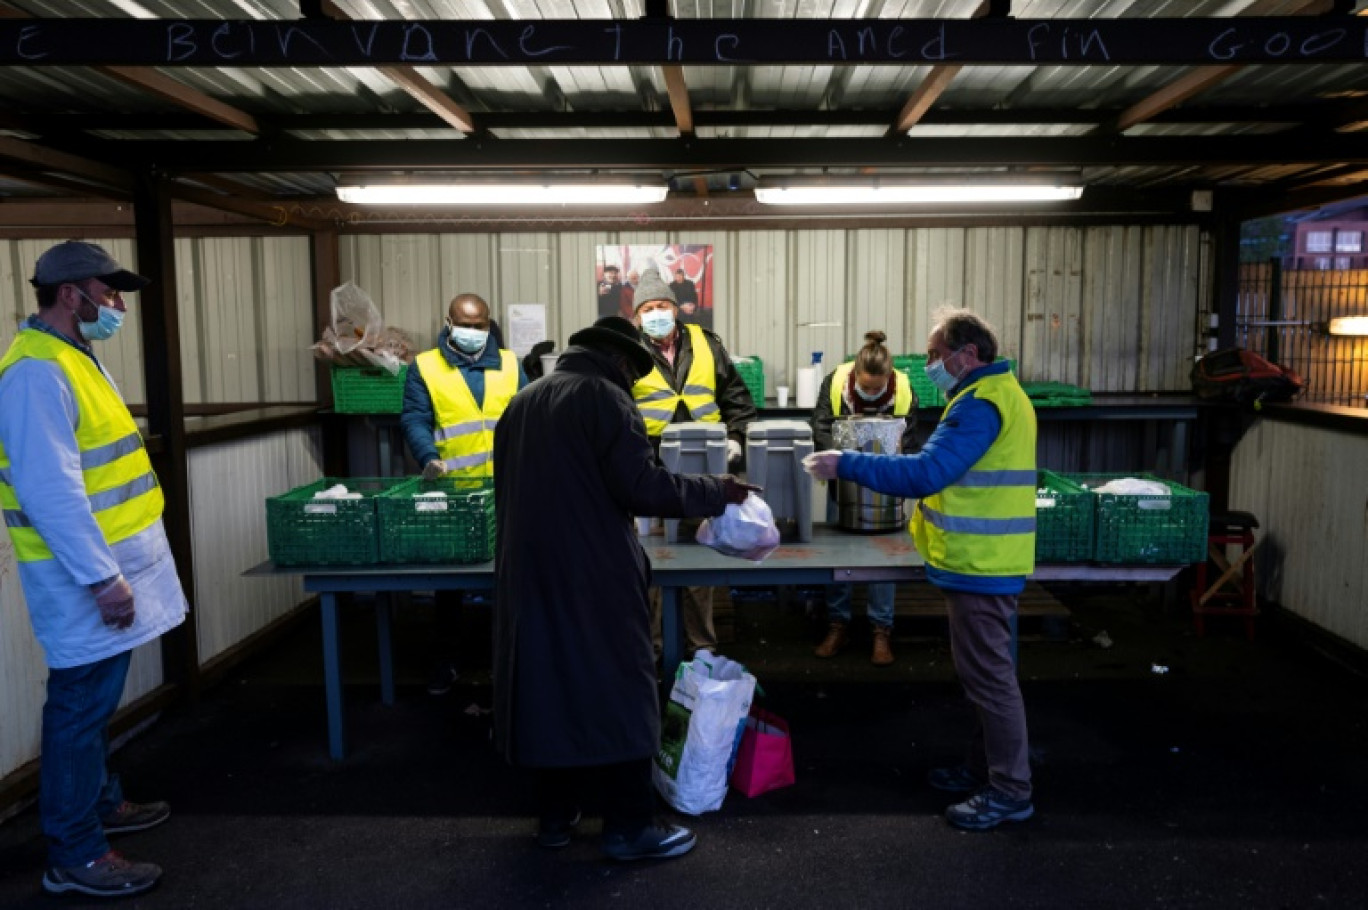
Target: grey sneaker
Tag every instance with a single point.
(988, 808)
(130, 817)
(658, 840)
(955, 779)
(555, 832)
(109, 876)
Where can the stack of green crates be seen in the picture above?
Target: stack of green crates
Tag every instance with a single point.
(1056, 394)
(1149, 529)
(304, 531)
(752, 373)
(367, 390)
(1064, 520)
(456, 527)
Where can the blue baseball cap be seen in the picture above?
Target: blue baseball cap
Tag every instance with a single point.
(76, 260)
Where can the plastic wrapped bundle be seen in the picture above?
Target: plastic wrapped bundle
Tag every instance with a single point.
(869, 434)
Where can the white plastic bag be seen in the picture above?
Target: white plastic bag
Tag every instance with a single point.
(701, 731)
(746, 531)
(356, 321)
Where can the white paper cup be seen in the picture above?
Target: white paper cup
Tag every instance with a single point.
(643, 527)
(781, 393)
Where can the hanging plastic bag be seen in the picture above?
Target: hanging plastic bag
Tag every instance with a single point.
(746, 531)
(701, 731)
(356, 320)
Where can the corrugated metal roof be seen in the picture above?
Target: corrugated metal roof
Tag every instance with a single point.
(337, 107)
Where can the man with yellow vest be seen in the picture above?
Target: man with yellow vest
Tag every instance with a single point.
(867, 385)
(453, 397)
(83, 510)
(975, 528)
(693, 380)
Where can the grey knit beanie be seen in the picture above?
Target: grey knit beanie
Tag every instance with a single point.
(650, 287)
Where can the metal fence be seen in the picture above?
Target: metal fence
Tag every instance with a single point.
(1285, 315)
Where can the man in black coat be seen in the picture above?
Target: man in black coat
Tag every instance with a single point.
(574, 671)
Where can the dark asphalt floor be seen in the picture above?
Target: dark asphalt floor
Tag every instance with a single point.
(1234, 778)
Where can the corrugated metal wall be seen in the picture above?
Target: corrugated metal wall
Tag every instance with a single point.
(246, 317)
(229, 484)
(1112, 308)
(1307, 487)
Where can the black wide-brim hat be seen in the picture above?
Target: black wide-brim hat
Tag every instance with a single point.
(614, 334)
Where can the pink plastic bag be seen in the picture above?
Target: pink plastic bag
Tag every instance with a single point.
(765, 760)
(746, 531)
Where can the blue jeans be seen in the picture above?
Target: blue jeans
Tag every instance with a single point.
(77, 790)
(879, 608)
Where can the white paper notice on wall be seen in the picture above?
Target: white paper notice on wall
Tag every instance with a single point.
(526, 326)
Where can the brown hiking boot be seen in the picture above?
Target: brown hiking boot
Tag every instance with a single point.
(883, 650)
(834, 642)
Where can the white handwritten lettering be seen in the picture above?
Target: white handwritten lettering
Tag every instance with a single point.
(220, 38)
(418, 45)
(26, 34)
(178, 35)
(865, 41)
(616, 31)
(475, 34)
(836, 45)
(1323, 41)
(525, 39)
(369, 42)
(674, 46)
(1093, 37)
(287, 35)
(894, 50)
(731, 41)
(1035, 37)
(935, 48)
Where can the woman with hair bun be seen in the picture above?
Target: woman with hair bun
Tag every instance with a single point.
(868, 385)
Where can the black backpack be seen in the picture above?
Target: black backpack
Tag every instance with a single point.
(1243, 377)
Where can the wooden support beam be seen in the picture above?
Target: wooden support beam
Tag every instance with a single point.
(36, 159)
(277, 214)
(940, 77)
(178, 93)
(679, 99)
(410, 80)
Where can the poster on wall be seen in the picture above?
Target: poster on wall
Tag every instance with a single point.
(686, 267)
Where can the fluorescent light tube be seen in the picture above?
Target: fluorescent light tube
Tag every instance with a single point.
(1349, 325)
(931, 193)
(501, 193)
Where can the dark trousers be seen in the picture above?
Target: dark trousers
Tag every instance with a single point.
(625, 790)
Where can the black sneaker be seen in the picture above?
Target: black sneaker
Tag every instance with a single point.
(988, 808)
(130, 817)
(555, 833)
(109, 876)
(658, 840)
(442, 677)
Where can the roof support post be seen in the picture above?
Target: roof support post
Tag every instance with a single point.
(157, 314)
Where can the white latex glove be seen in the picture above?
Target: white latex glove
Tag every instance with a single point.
(433, 469)
(733, 451)
(822, 465)
(115, 600)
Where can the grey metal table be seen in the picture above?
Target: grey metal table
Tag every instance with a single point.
(832, 556)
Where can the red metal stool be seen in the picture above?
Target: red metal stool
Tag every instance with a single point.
(1232, 594)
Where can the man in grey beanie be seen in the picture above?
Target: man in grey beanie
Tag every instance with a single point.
(693, 380)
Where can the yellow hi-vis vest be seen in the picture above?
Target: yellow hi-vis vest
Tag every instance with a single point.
(123, 492)
(465, 427)
(902, 392)
(657, 401)
(984, 523)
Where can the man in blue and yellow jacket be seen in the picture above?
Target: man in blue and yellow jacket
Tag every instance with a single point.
(975, 528)
(453, 397)
(84, 513)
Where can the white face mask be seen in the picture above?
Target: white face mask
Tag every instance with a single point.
(868, 396)
(468, 341)
(940, 374)
(658, 323)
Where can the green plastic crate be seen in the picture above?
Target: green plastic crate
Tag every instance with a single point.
(456, 528)
(1158, 530)
(303, 531)
(1056, 394)
(1064, 520)
(752, 373)
(367, 390)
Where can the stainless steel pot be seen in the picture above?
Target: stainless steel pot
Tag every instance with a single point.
(860, 508)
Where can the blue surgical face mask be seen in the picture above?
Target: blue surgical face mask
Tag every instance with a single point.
(866, 396)
(468, 341)
(658, 323)
(107, 321)
(940, 376)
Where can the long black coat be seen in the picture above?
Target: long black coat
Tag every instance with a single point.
(574, 670)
